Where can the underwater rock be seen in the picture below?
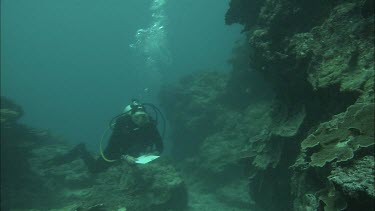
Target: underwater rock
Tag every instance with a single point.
(319, 58)
(356, 178)
(332, 199)
(71, 176)
(235, 194)
(340, 153)
(341, 49)
(240, 138)
(155, 186)
(192, 107)
(243, 12)
(8, 116)
(286, 122)
(317, 61)
(10, 112)
(216, 158)
(304, 46)
(18, 180)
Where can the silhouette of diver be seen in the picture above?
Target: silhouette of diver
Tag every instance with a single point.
(134, 133)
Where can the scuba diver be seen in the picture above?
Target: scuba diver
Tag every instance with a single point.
(134, 132)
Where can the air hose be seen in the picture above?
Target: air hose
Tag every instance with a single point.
(101, 148)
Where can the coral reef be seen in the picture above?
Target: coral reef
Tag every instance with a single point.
(339, 138)
(243, 12)
(298, 106)
(356, 178)
(17, 178)
(208, 162)
(156, 186)
(319, 57)
(192, 107)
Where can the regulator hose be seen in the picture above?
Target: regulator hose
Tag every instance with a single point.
(101, 148)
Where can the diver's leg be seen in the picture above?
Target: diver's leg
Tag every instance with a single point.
(67, 157)
(80, 151)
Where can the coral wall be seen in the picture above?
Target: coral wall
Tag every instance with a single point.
(296, 113)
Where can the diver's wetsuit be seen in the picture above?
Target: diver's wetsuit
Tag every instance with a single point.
(126, 139)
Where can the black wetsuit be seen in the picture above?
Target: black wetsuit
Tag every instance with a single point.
(126, 139)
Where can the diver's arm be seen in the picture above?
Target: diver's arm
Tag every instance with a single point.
(112, 151)
(117, 141)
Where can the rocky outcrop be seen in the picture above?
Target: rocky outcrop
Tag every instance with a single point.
(304, 46)
(318, 56)
(10, 112)
(155, 186)
(17, 141)
(338, 140)
(214, 144)
(300, 110)
(192, 107)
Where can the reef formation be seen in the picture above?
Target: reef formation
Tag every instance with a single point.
(293, 122)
